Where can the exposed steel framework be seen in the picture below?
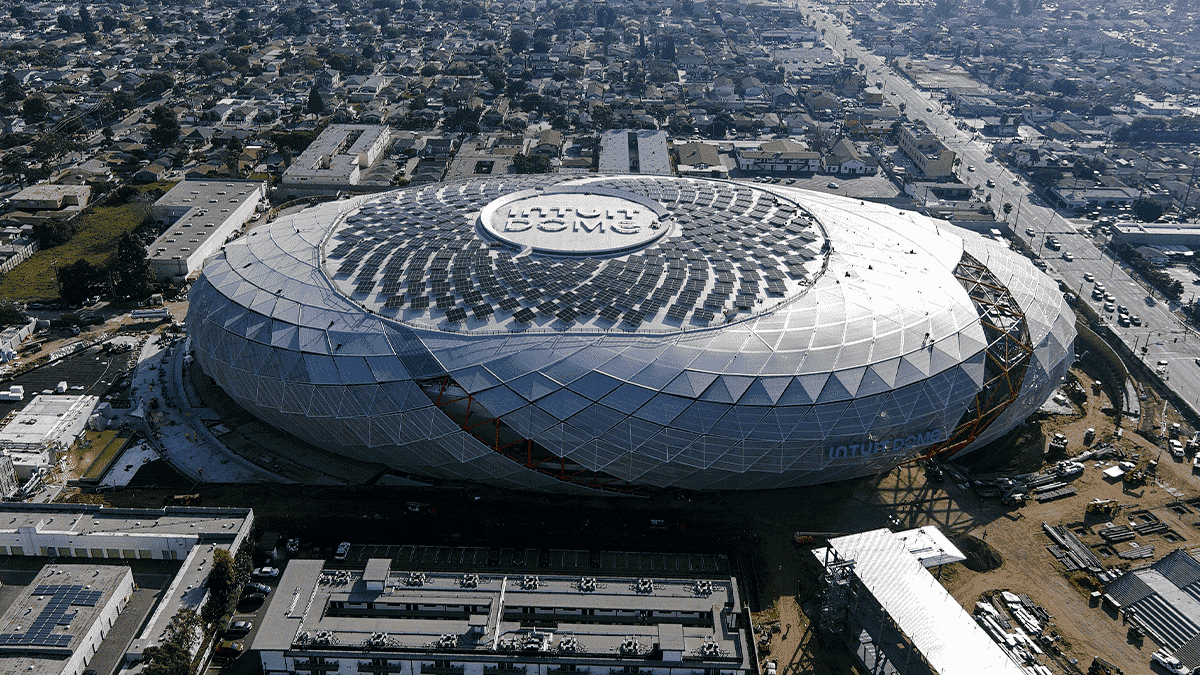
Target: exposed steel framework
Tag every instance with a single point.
(488, 429)
(1008, 353)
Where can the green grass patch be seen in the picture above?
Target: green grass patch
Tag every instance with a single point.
(99, 229)
(110, 445)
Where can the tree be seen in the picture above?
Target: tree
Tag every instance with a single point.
(233, 150)
(166, 126)
(11, 89)
(667, 53)
(221, 584)
(1007, 209)
(51, 146)
(316, 104)
(518, 41)
(1065, 86)
(15, 166)
(129, 269)
(11, 314)
(34, 109)
(174, 655)
(79, 281)
(85, 23)
(1147, 210)
(523, 163)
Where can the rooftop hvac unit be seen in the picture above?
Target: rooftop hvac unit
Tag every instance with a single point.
(644, 585)
(469, 581)
(630, 645)
(530, 583)
(568, 644)
(587, 584)
(538, 642)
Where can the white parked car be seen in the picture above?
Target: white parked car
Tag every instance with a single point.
(265, 573)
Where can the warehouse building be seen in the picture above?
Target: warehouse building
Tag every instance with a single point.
(200, 217)
(335, 161)
(466, 623)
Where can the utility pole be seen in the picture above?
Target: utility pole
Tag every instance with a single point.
(1191, 180)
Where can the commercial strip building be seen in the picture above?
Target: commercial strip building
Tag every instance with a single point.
(891, 612)
(387, 621)
(78, 537)
(1095, 197)
(201, 216)
(780, 156)
(1168, 235)
(52, 199)
(927, 152)
(335, 161)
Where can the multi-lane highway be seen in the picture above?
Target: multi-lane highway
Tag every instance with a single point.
(1167, 339)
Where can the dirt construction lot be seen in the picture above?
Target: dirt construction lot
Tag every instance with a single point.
(906, 498)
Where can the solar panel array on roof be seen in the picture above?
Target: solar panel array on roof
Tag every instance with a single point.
(424, 243)
(57, 612)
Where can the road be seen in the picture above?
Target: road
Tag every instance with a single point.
(1165, 336)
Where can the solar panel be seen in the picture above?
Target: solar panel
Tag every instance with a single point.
(456, 315)
(524, 315)
(610, 313)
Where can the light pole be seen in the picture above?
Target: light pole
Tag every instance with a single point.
(57, 281)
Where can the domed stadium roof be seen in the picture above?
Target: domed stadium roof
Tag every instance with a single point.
(628, 333)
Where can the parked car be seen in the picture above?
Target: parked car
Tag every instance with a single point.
(239, 628)
(265, 573)
(253, 587)
(229, 649)
(252, 599)
(343, 550)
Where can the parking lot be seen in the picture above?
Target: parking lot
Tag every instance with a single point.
(245, 663)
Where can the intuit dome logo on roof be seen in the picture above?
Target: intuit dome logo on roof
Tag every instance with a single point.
(558, 219)
(575, 221)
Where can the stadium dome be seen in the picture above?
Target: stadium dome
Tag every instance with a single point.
(628, 333)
